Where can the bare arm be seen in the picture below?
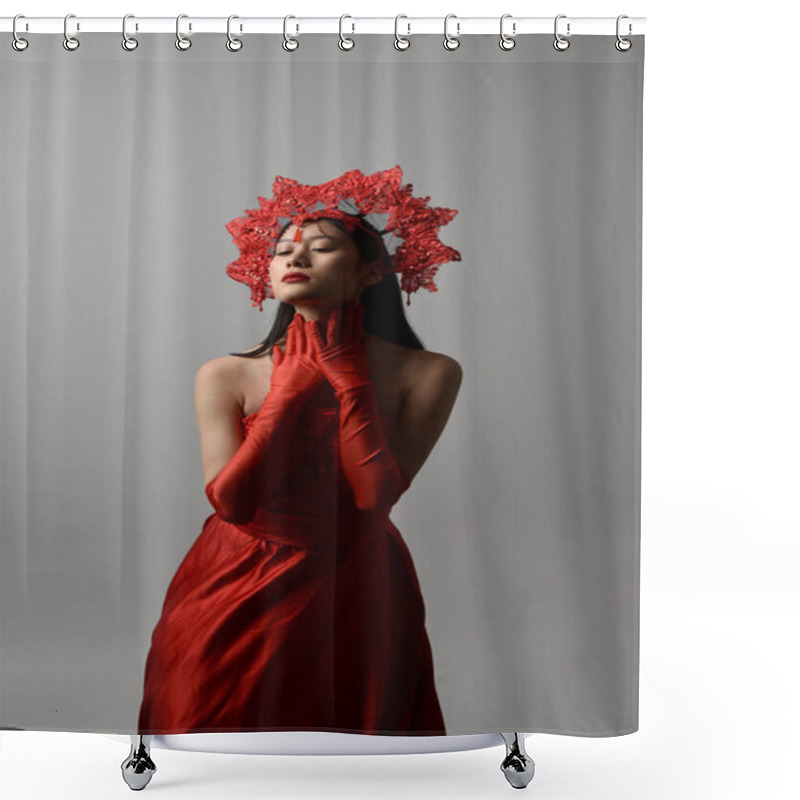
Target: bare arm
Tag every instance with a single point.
(219, 409)
(236, 470)
(426, 409)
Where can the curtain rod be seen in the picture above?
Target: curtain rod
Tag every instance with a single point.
(406, 26)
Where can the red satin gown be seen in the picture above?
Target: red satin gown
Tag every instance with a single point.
(310, 617)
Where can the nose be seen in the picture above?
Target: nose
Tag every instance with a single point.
(296, 258)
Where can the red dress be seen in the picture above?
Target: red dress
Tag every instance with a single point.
(308, 618)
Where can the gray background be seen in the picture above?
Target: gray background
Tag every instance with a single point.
(119, 171)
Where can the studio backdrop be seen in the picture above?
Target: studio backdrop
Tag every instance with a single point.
(395, 494)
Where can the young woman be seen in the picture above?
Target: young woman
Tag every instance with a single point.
(298, 606)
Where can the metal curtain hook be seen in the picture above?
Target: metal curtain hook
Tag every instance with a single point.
(507, 42)
(623, 44)
(560, 42)
(451, 42)
(400, 42)
(233, 44)
(128, 42)
(18, 43)
(70, 42)
(290, 43)
(346, 43)
(181, 42)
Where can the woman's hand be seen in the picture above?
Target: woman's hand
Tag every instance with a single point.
(296, 370)
(247, 481)
(343, 357)
(371, 470)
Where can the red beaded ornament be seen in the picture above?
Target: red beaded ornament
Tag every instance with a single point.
(410, 219)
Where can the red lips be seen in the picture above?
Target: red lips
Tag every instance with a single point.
(295, 276)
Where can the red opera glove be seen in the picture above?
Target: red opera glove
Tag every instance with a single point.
(236, 490)
(371, 469)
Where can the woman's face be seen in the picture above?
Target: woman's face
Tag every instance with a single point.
(327, 257)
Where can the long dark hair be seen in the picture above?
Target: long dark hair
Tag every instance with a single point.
(383, 302)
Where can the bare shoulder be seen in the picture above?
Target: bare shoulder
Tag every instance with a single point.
(438, 371)
(431, 382)
(218, 408)
(220, 379)
(404, 367)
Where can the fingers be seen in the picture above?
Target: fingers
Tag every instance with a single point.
(334, 326)
(314, 336)
(305, 339)
(293, 342)
(344, 325)
(302, 337)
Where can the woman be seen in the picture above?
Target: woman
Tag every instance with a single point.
(298, 606)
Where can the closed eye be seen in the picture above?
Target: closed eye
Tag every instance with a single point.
(316, 250)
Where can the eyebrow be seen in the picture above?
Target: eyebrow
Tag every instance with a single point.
(311, 238)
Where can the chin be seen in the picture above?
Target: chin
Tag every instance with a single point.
(293, 291)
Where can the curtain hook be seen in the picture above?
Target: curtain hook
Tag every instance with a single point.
(181, 42)
(622, 44)
(346, 43)
(290, 43)
(233, 44)
(507, 42)
(128, 42)
(70, 42)
(18, 43)
(400, 42)
(560, 42)
(451, 42)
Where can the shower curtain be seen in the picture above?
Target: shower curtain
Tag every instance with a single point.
(497, 589)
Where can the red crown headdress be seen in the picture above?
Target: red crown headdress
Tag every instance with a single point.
(408, 219)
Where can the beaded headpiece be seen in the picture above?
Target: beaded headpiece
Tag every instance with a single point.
(389, 209)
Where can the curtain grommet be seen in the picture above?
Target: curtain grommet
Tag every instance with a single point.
(182, 42)
(129, 43)
(451, 42)
(345, 42)
(290, 44)
(401, 42)
(70, 42)
(507, 42)
(17, 42)
(233, 44)
(622, 44)
(560, 43)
